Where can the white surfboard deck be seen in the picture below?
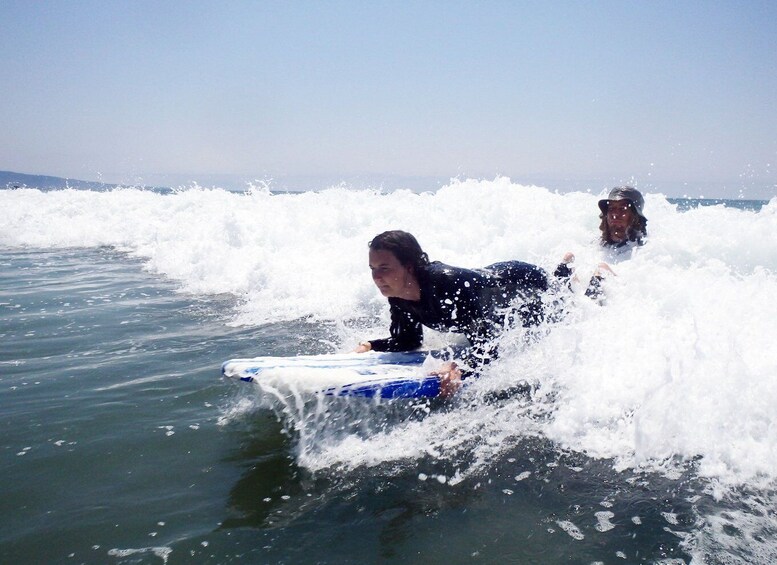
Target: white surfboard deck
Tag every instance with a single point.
(369, 375)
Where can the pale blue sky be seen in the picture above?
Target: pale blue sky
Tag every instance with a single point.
(678, 97)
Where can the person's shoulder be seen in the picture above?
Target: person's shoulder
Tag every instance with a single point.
(438, 270)
(437, 266)
(445, 279)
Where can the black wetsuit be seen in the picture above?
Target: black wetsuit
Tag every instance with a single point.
(471, 302)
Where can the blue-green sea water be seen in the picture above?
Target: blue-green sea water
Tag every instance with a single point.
(653, 440)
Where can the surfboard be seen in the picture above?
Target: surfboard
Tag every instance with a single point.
(367, 375)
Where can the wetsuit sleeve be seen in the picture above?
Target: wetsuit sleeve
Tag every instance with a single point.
(482, 350)
(482, 328)
(406, 332)
(595, 290)
(494, 310)
(562, 272)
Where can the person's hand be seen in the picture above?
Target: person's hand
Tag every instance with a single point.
(450, 379)
(602, 269)
(564, 270)
(363, 347)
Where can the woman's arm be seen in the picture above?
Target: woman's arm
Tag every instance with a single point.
(406, 333)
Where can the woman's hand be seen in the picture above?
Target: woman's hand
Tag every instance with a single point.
(363, 347)
(450, 379)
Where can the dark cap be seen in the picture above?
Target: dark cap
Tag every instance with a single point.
(624, 193)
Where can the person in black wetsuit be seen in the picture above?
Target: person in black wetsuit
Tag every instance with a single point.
(476, 303)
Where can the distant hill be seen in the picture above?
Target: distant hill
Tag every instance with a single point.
(10, 180)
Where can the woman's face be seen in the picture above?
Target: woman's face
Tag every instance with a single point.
(391, 277)
(619, 217)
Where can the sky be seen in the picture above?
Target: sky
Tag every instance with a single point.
(674, 97)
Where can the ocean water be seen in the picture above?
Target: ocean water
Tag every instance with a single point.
(651, 436)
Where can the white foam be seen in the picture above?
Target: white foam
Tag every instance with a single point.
(678, 365)
(161, 552)
(571, 529)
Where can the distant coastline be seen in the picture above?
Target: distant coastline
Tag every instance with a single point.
(11, 180)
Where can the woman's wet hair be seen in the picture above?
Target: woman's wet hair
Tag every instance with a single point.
(403, 245)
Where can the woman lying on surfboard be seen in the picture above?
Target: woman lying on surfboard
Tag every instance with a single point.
(445, 298)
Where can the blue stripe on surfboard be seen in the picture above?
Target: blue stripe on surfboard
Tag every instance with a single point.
(428, 387)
